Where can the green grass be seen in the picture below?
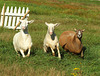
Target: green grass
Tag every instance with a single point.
(80, 14)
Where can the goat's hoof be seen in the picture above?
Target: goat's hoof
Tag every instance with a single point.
(59, 58)
(24, 56)
(28, 55)
(18, 54)
(45, 51)
(53, 54)
(82, 57)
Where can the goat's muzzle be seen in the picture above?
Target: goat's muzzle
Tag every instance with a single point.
(50, 33)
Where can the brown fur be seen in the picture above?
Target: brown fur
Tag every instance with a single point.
(69, 41)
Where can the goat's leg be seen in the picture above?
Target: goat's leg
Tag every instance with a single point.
(53, 53)
(82, 54)
(22, 53)
(17, 51)
(28, 54)
(59, 55)
(45, 48)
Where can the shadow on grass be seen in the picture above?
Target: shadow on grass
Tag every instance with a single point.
(33, 51)
(49, 51)
(84, 49)
(62, 51)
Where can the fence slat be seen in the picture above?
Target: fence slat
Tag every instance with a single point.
(2, 16)
(6, 17)
(19, 10)
(14, 18)
(27, 10)
(9, 22)
(23, 11)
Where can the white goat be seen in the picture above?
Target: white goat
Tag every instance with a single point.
(51, 39)
(22, 40)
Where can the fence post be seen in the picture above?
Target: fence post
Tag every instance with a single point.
(3, 15)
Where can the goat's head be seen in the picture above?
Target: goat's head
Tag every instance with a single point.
(24, 23)
(79, 33)
(51, 27)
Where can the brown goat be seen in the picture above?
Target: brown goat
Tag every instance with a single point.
(70, 40)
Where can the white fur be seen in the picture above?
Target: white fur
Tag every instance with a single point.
(22, 40)
(51, 39)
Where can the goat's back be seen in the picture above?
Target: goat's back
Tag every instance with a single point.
(65, 36)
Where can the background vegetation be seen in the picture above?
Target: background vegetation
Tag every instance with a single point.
(80, 14)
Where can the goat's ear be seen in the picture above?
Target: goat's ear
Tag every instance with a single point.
(57, 24)
(83, 30)
(46, 23)
(75, 29)
(31, 21)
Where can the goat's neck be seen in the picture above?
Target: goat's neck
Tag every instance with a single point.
(75, 37)
(24, 31)
(51, 36)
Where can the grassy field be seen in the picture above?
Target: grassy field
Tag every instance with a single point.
(79, 14)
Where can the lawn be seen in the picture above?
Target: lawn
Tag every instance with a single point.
(79, 14)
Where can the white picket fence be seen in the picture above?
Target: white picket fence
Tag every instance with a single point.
(12, 16)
